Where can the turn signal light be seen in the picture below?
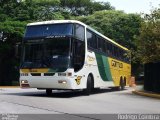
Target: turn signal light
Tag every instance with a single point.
(23, 74)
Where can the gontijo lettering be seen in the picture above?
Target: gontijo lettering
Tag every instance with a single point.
(116, 64)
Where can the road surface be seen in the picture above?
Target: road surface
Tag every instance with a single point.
(105, 101)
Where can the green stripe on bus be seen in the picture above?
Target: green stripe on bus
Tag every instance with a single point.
(103, 67)
(107, 68)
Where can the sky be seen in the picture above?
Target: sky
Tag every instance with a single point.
(134, 6)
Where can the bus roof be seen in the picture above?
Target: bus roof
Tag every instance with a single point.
(75, 21)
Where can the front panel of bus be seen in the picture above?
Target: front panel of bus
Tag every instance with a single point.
(52, 53)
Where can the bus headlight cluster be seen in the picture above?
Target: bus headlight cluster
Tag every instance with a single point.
(23, 74)
(65, 74)
(62, 74)
(62, 81)
(24, 81)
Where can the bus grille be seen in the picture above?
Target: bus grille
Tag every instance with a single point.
(36, 74)
(49, 74)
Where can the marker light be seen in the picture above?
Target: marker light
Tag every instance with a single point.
(23, 74)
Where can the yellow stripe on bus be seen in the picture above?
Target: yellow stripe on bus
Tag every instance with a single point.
(118, 69)
(40, 70)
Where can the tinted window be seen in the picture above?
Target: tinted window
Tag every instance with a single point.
(79, 31)
(79, 54)
(120, 54)
(47, 55)
(101, 45)
(108, 48)
(115, 51)
(48, 30)
(91, 39)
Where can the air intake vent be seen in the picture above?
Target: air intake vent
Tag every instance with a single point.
(36, 74)
(49, 74)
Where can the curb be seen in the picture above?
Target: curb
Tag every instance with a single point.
(143, 93)
(9, 86)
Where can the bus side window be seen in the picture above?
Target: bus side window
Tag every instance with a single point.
(116, 51)
(111, 49)
(103, 46)
(120, 54)
(79, 32)
(124, 54)
(91, 39)
(100, 44)
(79, 54)
(108, 49)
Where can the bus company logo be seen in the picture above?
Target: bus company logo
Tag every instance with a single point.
(116, 64)
(90, 58)
(78, 80)
(33, 70)
(56, 36)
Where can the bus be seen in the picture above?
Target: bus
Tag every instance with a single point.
(70, 55)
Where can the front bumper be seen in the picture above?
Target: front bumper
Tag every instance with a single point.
(49, 82)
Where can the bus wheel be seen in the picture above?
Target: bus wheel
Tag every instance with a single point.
(88, 89)
(122, 84)
(49, 91)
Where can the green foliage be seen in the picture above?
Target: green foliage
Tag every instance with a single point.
(15, 14)
(13, 27)
(47, 2)
(116, 25)
(83, 7)
(148, 42)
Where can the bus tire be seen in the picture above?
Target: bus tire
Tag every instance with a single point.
(49, 91)
(122, 84)
(88, 89)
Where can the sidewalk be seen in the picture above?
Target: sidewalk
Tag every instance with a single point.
(140, 91)
(9, 86)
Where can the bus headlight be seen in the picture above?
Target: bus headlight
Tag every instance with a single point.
(65, 74)
(24, 81)
(62, 81)
(61, 74)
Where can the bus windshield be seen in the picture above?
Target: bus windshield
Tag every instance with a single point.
(50, 53)
(35, 31)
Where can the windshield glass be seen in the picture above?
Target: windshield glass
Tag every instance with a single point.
(50, 53)
(48, 30)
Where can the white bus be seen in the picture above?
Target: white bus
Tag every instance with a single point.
(69, 55)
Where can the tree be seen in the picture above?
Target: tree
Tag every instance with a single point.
(84, 7)
(116, 25)
(15, 14)
(148, 42)
(12, 33)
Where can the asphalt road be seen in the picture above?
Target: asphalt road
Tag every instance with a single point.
(74, 104)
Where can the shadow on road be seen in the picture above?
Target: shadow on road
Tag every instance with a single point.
(61, 93)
